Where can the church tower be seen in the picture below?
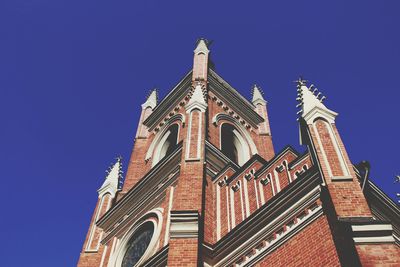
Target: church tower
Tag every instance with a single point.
(204, 187)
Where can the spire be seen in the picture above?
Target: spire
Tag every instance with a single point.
(311, 102)
(258, 96)
(200, 61)
(113, 179)
(151, 100)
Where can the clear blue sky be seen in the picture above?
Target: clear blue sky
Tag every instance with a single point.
(74, 73)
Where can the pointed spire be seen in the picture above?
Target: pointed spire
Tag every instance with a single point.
(151, 100)
(258, 95)
(112, 183)
(311, 102)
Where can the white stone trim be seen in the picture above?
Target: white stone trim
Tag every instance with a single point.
(171, 196)
(184, 224)
(227, 208)
(261, 187)
(93, 227)
(232, 197)
(256, 193)
(271, 179)
(189, 133)
(325, 158)
(103, 256)
(278, 184)
(242, 202)
(338, 151)
(246, 197)
(372, 227)
(374, 239)
(218, 200)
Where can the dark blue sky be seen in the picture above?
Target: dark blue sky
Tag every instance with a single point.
(74, 73)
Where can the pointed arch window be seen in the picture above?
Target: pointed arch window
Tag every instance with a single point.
(167, 143)
(233, 145)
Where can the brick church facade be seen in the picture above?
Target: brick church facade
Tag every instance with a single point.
(205, 187)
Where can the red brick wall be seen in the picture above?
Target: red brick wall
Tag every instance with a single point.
(347, 197)
(183, 252)
(313, 246)
(379, 255)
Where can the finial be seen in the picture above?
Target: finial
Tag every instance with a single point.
(300, 81)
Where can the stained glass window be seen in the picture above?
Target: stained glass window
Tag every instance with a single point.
(138, 244)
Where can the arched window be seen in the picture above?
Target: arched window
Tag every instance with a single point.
(227, 142)
(233, 144)
(167, 144)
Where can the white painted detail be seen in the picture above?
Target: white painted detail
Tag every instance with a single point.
(167, 228)
(256, 193)
(232, 196)
(338, 151)
(261, 193)
(242, 202)
(278, 184)
(227, 208)
(199, 136)
(325, 158)
(372, 227)
(184, 224)
(269, 176)
(246, 197)
(218, 212)
(374, 239)
(103, 256)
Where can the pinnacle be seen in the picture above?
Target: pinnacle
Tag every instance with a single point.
(151, 99)
(112, 182)
(308, 98)
(257, 95)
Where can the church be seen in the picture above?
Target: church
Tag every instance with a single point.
(205, 187)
